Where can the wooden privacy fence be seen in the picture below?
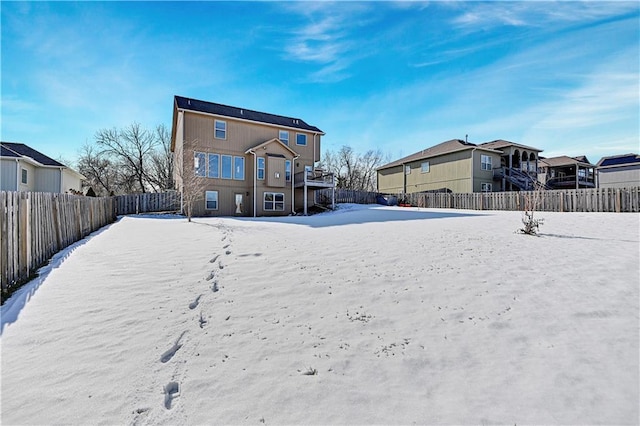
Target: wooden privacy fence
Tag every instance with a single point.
(571, 200)
(346, 196)
(35, 225)
(151, 202)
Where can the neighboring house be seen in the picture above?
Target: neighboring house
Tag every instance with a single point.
(246, 163)
(451, 166)
(22, 168)
(566, 172)
(619, 171)
(518, 167)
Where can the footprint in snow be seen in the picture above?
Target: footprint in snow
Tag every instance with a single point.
(169, 353)
(171, 392)
(213, 260)
(194, 304)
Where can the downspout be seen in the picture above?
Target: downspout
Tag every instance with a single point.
(472, 151)
(293, 186)
(17, 174)
(255, 182)
(61, 185)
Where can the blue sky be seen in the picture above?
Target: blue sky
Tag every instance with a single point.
(395, 76)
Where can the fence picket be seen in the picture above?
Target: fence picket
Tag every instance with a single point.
(571, 200)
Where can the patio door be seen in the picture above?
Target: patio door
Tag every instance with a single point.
(238, 203)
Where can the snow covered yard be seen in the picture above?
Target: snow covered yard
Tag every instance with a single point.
(367, 315)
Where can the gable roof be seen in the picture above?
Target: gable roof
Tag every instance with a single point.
(619, 160)
(501, 143)
(270, 141)
(447, 147)
(564, 160)
(243, 114)
(18, 150)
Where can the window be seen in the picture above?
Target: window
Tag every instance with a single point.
(220, 129)
(485, 162)
(284, 137)
(227, 168)
(25, 176)
(260, 168)
(274, 201)
(301, 139)
(214, 166)
(199, 164)
(287, 170)
(238, 168)
(424, 167)
(485, 187)
(211, 200)
(407, 169)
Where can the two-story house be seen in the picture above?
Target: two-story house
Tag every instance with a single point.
(451, 166)
(245, 163)
(460, 166)
(23, 168)
(565, 172)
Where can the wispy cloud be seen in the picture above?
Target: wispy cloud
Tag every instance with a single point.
(324, 37)
(481, 15)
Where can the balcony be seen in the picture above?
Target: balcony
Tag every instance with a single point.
(314, 179)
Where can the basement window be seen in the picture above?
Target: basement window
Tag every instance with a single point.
(211, 198)
(274, 201)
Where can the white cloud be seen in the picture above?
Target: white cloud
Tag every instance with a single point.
(481, 15)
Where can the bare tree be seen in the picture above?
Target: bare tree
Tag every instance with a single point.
(132, 146)
(532, 202)
(100, 172)
(160, 171)
(354, 170)
(190, 184)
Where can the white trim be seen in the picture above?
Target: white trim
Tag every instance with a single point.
(306, 142)
(215, 129)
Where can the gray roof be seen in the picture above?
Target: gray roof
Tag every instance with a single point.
(447, 147)
(17, 150)
(564, 160)
(619, 160)
(244, 114)
(500, 143)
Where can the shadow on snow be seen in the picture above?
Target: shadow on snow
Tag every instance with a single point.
(11, 308)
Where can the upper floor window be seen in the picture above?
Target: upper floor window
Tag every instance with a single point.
(287, 170)
(25, 176)
(214, 166)
(260, 168)
(199, 163)
(407, 169)
(424, 167)
(485, 162)
(284, 137)
(301, 139)
(227, 167)
(238, 168)
(220, 129)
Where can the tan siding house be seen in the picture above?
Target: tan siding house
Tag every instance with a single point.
(249, 163)
(451, 166)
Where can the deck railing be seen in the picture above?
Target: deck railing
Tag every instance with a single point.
(314, 177)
